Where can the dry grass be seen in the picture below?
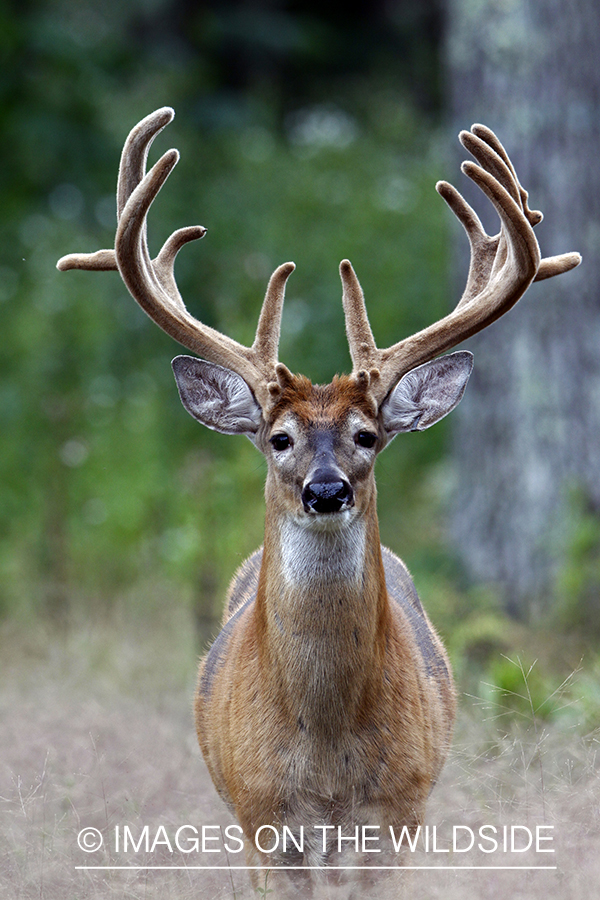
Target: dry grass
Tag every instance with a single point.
(97, 731)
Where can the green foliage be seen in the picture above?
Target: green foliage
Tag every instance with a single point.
(517, 690)
(263, 890)
(521, 689)
(586, 715)
(104, 479)
(578, 582)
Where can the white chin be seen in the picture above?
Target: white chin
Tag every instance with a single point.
(333, 521)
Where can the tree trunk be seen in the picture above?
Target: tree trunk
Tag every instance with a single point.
(528, 431)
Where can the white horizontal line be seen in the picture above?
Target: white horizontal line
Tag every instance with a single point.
(287, 868)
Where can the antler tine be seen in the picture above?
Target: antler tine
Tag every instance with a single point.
(152, 282)
(266, 342)
(134, 155)
(486, 134)
(500, 271)
(550, 265)
(363, 350)
(132, 168)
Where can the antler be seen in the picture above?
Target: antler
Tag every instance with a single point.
(501, 270)
(152, 282)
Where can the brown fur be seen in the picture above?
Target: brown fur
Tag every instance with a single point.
(326, 705)
(325, 402)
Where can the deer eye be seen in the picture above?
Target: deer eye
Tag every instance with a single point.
(366, 439)
(281, 442)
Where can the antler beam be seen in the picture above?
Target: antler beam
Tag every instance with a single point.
(152, 282)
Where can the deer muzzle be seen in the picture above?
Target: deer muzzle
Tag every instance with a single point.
(327, 493)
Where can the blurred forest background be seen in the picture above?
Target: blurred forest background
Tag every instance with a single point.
(310, 132)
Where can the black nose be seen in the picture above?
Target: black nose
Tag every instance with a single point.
(327, 496)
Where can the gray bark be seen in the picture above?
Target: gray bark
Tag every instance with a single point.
(528, 430)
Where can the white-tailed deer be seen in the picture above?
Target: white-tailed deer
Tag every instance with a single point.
(327, 698)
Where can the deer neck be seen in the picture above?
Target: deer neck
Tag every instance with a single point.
(322, 605)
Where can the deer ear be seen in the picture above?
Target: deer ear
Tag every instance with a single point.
(217, 397)
(427, 394)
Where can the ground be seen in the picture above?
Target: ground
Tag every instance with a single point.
(98, 733)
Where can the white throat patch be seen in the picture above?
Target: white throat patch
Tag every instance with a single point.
(313, 553)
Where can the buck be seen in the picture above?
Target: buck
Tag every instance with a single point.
(327, 698)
